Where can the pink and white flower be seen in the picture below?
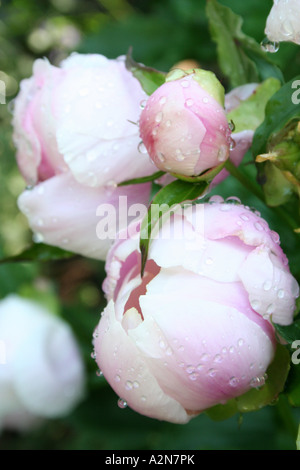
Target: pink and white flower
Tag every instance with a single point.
(75, 140)
(196, 330)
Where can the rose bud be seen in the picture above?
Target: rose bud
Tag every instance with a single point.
(183, 125)
(283, 23)
(196, 330)
(74, 132)
(41, 369)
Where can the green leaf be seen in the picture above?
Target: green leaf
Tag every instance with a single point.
(241, 58)
(144, 179)
(289, 333)
(280, 111)
(277, 189)
(298, 439)
(277, 374)
(169, 196)
(251, 112)
(149, 78)
(293, 385)
(38, 252)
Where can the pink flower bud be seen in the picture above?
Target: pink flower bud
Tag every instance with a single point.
(76, 140)
(41, 370)
(283, 21)
(196, 330)
(184, 125)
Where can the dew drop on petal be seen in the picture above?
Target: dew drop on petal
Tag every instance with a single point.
(142, 148)
(128, 385)
(233, 381)
(158, 117)
(231, 126)
(185, 83)
(216, 200)
(122, 403)
(267, 285)
(189, 102)
(269, 46)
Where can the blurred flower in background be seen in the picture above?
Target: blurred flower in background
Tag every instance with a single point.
(41, 370)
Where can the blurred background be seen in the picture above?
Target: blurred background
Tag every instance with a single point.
(161, 33)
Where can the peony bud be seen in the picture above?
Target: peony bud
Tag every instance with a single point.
(41, 370)
(283, 21)
(196, 331)
(184, 125)
(75, 134)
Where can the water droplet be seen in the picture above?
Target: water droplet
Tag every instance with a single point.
(231, 349)
(222, 153)
(193, 376)
(185, 83)
(40, 222)
(200, 366)
(269, 46)
(240, 342)
(205, 100)
(233, 381)
(209, 261)
(162, 100)
(117, 378)
(244, 217)
(231, 125)
(128, 385)
(99, 373)
(154, 132)
(189, 102)
(280, 294)
(216, 200)
(212, 372)
(204, 357)
(275, 237)
(93, 355)
(267, 285)
(143, 398)
(161, 156)
(162, 344)
(158, 117)
(142, 148)
(136, 384)
(233, 200)
(122, 403)
(38, 237)
(255, 304)
(29, 187)
(218, 358)
(143, 104)
(232, 144)
(190, 369)
(168, 123)
(258, 226)
(179, 156)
